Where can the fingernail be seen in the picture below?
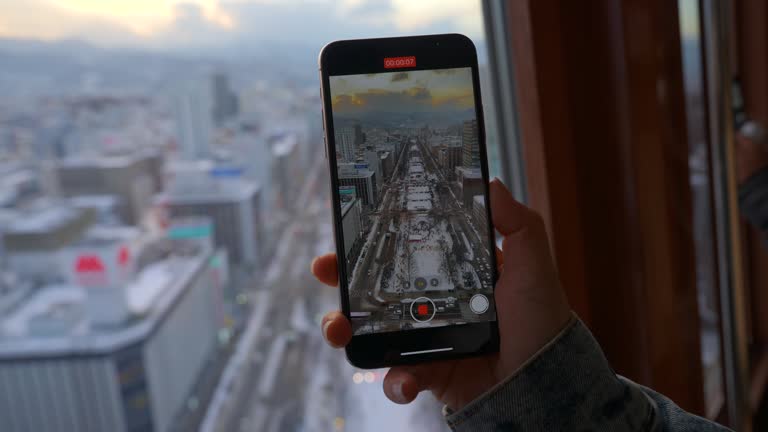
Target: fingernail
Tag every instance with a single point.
(312, 264)
(397, 392)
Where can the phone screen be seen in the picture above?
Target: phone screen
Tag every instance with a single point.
(414, 223)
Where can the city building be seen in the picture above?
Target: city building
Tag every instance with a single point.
(139, 375)
(234, 207)
(470, 181)
(133, 179)
(102, 262)
(372, 158)
(287, 171)
(345, 143)
(35, 239)
(360, 137)
(479, 213)
(449, 157)
(363, 179)
(352, 228)
(387, 159)
(193, 115)
(469, 142)
(106, 208)
(225, 102)
(18, 184)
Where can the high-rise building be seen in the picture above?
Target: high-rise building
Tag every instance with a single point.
(133, 179)
(373, 160)
(471, 183)
(225, 102)
(479, 213)
(138, 375)
(449, 157)
(387, 164)
(352, 228)
(359, 135)
(286, 169)
(469, 142)
(345, 143)
(363, 179)
(193, 113)
(234, 208)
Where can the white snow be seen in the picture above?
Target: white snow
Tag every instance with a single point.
(419, 205)
(419, 196)
(16, 324)
(141, 293)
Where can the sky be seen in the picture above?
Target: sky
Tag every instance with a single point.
(168, 24)
(425, 90)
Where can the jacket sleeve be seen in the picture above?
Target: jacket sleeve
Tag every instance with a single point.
(753, 199)
(569, 386)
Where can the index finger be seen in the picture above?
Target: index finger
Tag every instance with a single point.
(325, 269)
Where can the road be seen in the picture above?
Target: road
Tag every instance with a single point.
(449, 265)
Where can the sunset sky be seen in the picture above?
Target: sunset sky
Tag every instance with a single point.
(449, 89)
(165, 23)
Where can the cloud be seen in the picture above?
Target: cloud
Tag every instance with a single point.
(213, 24)
(400, 76)
(36, 19)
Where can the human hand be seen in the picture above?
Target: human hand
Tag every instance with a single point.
(531, 308)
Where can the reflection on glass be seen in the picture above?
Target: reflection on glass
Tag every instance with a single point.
(691, 46)
(163, 191)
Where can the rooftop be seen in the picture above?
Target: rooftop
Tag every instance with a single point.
(470, 173)
(42, 220)
(153, 293)
(211, 191)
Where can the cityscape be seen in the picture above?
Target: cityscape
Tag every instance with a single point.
(414, 221)
(157, 225)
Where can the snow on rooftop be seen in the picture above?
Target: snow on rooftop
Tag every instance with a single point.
(212, 191)
(419, 196)
(46, 219)
(284, 145)
(142, 292)
(418, 189)
(94, 200)
(17, 323)
(152, 294)
(419, 205)
(98, 161)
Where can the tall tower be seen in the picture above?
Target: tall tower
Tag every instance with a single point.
(469, 143)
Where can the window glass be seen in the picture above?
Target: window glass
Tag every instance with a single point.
(698, 161)
(163, 191)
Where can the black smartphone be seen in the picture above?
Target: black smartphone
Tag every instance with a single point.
(405, 142)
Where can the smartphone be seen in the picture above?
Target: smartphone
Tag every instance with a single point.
(405, 143)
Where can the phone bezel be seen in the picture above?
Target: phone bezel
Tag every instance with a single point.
(361, 56)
